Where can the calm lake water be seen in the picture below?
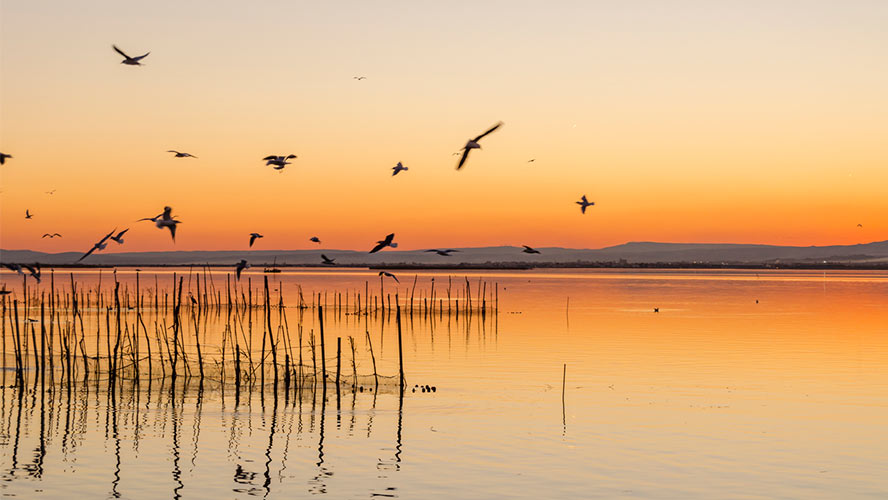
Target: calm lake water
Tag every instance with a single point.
(745, 384)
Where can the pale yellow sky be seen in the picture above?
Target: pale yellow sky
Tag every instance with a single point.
(758, 122)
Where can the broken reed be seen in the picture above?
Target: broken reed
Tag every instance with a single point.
(145, 336)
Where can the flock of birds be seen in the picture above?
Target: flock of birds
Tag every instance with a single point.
(166, 220)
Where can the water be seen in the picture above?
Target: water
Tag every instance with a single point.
(714, 396)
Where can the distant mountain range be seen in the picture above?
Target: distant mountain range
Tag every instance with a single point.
(634, 253)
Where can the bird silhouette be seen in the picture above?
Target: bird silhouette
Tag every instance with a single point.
(240, 266)
(443, 253)
(397, 169)
(315, 239)
(119, 237)
(254, 237)
(3, 157)
(100, 245)
(387, 242)
(166, 220)
(179, 154)
(328, 261)
(528, 249)
(473, 144)
(279, 162)
(53, 235)
(28, 214)
(131, 61)
(390, 275)
(583, 203)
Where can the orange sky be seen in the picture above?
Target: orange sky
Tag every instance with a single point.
(693, 122)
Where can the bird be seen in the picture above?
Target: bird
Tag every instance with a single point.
(34, 270)
(98, 246)
(240, 266)
(528, 249)
(28, 214)
(359, 78)
(119, 237)
(51, 191)
(53, 235)
(14, 268)
(279, 162)
(3, 157)
(390, 275)
(397, 169)
(860, 225)
(165, 220)
(328, 261)
(131, 61)
(179, 154)
(531, 160)
(473, 144)
(656, 309)
(443, 253)
(583, 203)
(387, 242)
(254, 237)
(315, 239)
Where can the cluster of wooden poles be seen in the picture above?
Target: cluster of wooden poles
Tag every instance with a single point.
(56, 345)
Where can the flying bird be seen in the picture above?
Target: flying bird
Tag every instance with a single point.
(443, 253)
(14, 268)
(254, 237)
(387, 242)
(34, 270)
(527, 249)
(397, 169)
(51, 191)
(165, 220)
(583, 203)
(132, 61)
(279, 162)
(860, 225)
(119, 237)
(240, 266)
(53, 235)
(98, 246)
(473, 144)
(28, 214)
(328, 261)
(390, 275)
(531, 160)
(179, 154)
(315, 239)
(3, 157)
(359, 78)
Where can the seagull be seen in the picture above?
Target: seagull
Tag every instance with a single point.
(254, 236)
(390, 275)
(14, 268)
(315, 239)
(860, 225)
(473, 144)
(179, 154)
(51, 192)
(119, 237)
(387, 242)
(443, 253)
(240, 266)
(279, 162)
(28, 214)
(132, 61)
(359, 78)
(531, 160)
(583, 203)
(397, 169)
(34, 270)
(166, 221)
(53, 235)
(98, 246)
(328, 261)
(3, 157)
(527, 249)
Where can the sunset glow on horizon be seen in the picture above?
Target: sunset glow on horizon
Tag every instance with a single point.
(688, 122)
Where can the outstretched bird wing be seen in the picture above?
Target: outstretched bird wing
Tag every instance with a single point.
(463, 158)
(143, 56)
(121, 52)
(253, 238)
(498, 125)
(379, 246)
(270, 157)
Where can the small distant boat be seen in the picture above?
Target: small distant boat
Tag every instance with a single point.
(273, 268)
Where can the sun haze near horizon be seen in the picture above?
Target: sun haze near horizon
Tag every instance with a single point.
(692, 121)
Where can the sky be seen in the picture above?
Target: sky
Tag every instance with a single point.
(684, 121)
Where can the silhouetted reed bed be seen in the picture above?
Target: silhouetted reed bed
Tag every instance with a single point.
(142, 331)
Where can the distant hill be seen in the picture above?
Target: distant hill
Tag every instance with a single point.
(628, 253)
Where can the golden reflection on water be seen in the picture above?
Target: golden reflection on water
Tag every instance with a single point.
(743, 384)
